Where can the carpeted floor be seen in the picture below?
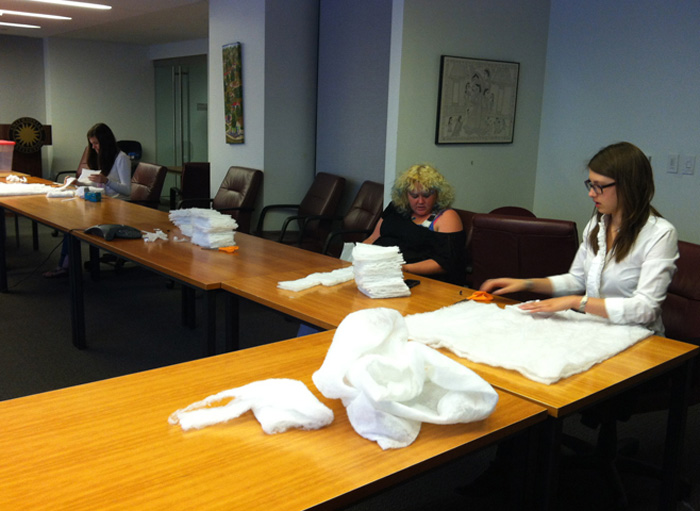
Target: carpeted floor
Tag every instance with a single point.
(133, 323)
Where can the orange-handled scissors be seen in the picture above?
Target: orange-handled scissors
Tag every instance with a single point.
(230, 249)
(480, 296)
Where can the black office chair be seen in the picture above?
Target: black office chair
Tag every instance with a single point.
(236, 196)
(359, 221)
(314, 215)
(195, 180)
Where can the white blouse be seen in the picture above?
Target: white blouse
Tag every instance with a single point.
(118, 183)
(635, 288)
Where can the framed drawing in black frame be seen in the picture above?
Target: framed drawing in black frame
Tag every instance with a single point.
(476, 101)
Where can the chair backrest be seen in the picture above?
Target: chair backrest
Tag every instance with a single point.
(365, 210)
(195, 184)
(239, 189)
(681, 310)
(323, 198)
(513, 211)
(521, 247)
(147, 183)
(131, 147)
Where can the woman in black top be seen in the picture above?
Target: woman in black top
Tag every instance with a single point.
(421, 223)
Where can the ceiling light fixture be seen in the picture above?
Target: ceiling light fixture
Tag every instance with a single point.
(34, 15)
(70, 3)
(18, 25)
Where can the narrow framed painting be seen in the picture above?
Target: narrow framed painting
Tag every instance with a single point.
(476, 101)
(233, 94)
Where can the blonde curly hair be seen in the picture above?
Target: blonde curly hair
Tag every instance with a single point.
(429, 179)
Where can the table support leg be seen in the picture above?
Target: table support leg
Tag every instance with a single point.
(35, 235)
(675, 433)
(210, 323)
(3, 255)
(94, 263)
(189, 312)
(550, 445)
(232, 325)
(76, 292)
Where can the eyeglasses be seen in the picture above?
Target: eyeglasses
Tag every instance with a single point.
(425, 195)
(598, 189)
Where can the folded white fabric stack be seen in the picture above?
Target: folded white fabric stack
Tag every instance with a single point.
(277, 403)
(389, 386)
(378, 271)
(542, 347)
(328, 278)
(12, 189)
(207, 227)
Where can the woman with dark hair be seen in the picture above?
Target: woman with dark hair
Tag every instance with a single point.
(421, 223)
(114, 165)
(114, 177)
(626, 261)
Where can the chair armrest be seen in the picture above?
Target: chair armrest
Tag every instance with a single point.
(184, 202)
(263, 212)
(335, 234)
(236, 208)
(63, 172)
(305, 221)
(175, 192)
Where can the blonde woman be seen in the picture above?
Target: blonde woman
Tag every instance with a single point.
(420, 221)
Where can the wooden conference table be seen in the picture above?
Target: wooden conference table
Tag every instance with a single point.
(108, 445)
(326, 307)
(191, 265)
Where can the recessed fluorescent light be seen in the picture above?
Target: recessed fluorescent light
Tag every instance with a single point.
(33, 15)
(18, 25)
(71, 3)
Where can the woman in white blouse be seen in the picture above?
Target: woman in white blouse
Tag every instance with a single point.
(627, 258)
(114, 164)
(114, 177)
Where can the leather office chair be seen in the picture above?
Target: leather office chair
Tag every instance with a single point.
(681, 317)
(147, 184)
(314, 215)
(133, 149)
(513, 211)
(194, 186)
(359, 221)
(236, 196)
(520, 247)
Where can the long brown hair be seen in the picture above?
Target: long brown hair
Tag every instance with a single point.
(634, 185)
(108, 148)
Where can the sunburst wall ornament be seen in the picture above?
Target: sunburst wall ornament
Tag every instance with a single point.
(28, 133)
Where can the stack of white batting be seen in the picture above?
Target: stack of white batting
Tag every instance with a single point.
(206, 227)
(378, 271)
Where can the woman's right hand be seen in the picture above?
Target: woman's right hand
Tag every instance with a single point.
(503, 286)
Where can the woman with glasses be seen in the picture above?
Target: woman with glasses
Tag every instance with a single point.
(627, 259)
(421, 223)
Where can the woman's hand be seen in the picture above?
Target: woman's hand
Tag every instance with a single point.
(560, 303)
(98, 178)
(503, 286)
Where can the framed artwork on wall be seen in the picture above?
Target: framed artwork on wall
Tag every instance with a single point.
(476, 101)
(233, 94)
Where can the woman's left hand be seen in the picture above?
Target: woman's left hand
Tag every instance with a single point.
(561, 303)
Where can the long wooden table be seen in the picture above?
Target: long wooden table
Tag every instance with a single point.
(326, 307)
(191, 265)
(107, 445)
